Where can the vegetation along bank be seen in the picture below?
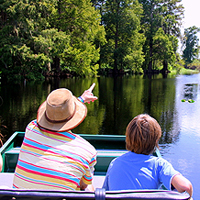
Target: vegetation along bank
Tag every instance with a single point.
(83, 38)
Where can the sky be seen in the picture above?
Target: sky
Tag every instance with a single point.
(191, 13)
(191, 16)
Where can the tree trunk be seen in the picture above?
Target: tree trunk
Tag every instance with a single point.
(115, 54)
(116, 44)
(151, 41)
(165, 67)
(150, 55)
(49, 67)
(56, 64)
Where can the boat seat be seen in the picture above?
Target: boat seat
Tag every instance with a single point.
(104, 157)
(11, 157)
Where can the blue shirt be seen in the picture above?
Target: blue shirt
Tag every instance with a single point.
(138, 171)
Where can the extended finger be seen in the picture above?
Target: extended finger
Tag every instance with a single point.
(91, 87)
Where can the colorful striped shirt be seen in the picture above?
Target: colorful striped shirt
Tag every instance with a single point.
(53, 160)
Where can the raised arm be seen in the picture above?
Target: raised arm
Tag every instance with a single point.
(87, 95)
(182, 184)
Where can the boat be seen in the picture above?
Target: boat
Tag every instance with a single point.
(108, 147)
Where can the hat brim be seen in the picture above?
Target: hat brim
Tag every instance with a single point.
(78, 117)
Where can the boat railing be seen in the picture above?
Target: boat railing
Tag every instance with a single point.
(99, 194)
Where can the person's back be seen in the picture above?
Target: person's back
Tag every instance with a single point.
(53, 160)
(137, 169)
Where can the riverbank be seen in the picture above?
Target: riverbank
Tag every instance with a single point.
(184, 71)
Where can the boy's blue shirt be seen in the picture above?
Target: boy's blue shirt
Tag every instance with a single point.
(139, 171)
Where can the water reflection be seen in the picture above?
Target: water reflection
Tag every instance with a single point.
(184, 153)
(119, 100)
(190, 91)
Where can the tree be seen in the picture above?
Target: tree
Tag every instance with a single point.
(160, 14)
(121, 20)
(150, 22)
(80, 20)
(172, 12)
(163, 48)
(190, 42)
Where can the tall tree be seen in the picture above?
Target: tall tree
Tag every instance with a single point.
(150, 22)
(163, 48)
(80, 20)
(121, 19)
(190, 42)
(165, 14)
(172, 12)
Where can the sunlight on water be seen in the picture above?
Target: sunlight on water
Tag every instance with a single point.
(185, 153)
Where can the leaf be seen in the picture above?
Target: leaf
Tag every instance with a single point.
(190, 100)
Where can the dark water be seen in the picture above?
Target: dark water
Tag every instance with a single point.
(119, 100)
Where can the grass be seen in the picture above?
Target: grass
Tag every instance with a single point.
(184, 71)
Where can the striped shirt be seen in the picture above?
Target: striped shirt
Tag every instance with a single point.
(53, 160)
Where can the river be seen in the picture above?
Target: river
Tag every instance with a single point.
(119, 100)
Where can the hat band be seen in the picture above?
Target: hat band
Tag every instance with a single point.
(60, 121)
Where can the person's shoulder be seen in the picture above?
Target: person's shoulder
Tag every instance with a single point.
(160, 161)
(32, 128)
(84, 142)
(80, 138)
(32, 124)
(124, 157)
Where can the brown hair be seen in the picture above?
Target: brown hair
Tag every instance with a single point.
(142, 134)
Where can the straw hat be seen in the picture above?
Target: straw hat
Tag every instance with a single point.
(61, 111)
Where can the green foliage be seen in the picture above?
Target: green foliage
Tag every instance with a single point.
(190, 42)
(80, 20)
(163, 47)
(195, 64)
(23, 20)
(49, 35)
(184, 71)
(165, 15)
(122, 24)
